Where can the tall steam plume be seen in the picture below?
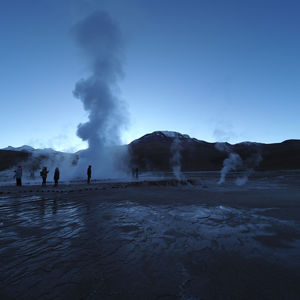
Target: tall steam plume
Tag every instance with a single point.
(175, 159)
(100, 39)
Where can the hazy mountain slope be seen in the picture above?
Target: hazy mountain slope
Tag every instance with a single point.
(10, 158)
(153, 152)
(32, 159)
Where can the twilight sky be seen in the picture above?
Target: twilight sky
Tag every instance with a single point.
(216, 70)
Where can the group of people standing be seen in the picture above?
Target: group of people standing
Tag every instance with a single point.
(44, 173)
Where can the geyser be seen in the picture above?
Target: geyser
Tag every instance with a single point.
(175, 159)
(100, 39)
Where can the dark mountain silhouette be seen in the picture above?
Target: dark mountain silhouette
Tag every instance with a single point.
(10, 158)
(153, 152)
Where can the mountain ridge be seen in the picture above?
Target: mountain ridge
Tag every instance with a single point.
(153, 152)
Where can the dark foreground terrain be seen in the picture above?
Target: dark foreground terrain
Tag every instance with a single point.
(131, 241)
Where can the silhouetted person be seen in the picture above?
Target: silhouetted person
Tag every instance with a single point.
(18, 176)
(89, 174)
(56, 176)
(43, 174)
(135, 172)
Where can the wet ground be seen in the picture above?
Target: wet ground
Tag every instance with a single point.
(152, 240)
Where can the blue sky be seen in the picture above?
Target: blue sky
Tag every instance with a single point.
(216, 70)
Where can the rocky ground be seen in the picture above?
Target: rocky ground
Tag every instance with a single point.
(152, 239)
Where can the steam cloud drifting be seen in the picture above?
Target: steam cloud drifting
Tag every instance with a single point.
(235, 162)
(101, 41)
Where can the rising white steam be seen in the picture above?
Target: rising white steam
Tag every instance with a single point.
(249, 164)
(234, 162)
(230, 164)
(100, 39)
(175, 159)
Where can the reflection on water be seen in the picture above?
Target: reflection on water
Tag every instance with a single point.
(59, 239)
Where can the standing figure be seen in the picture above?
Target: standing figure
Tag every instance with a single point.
(56, 176)
(89, 174)
(18, 176)
(135, 172)
(43, 174)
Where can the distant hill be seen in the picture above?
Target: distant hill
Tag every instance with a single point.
(24, 148)
(33, 159)
(153, 152)
(10, 158)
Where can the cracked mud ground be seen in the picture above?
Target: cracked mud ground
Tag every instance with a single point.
(150, 243)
